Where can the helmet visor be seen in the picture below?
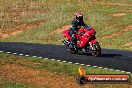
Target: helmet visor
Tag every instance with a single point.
(80, 18)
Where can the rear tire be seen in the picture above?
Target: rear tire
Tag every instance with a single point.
(72, 51)
(97, 50)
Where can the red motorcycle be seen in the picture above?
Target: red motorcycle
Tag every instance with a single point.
(86, 41)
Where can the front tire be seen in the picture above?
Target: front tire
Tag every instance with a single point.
(96, 49)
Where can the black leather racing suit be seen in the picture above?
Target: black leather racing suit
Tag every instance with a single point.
(75, 27)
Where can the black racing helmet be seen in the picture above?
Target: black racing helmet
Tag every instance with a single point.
(79, 17)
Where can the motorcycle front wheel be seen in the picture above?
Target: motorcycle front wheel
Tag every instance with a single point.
(96, 49)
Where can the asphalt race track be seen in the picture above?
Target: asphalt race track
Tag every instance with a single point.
(114, 59)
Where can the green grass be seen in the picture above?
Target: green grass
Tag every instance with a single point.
(11, 84)
(117, 1)
(7, 84)
(58, 68)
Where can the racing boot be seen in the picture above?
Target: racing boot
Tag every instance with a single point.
(71, 45)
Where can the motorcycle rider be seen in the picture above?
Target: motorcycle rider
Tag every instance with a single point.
(75, 26)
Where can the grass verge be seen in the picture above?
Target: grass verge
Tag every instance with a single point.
(58, 68)
(7, 84)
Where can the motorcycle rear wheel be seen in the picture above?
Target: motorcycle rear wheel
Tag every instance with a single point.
(72, 51)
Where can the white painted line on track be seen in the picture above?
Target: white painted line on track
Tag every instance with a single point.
(64, 61)
(14, 53)
(105, 68)
(122, 71)
(111, 69)
(69, 62)
(46, 58)
(26, 55)
(58, 60)
(88, 65)
(39, 57)
(95, 66)
(8, 52)
(53, 59)
(117, 70)
(82, 64)
(34, 56)
(128, 72)
(101, 67)
(20, 54)
(1, 51)
(76, 63)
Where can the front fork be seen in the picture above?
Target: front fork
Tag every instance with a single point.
(91, 43)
